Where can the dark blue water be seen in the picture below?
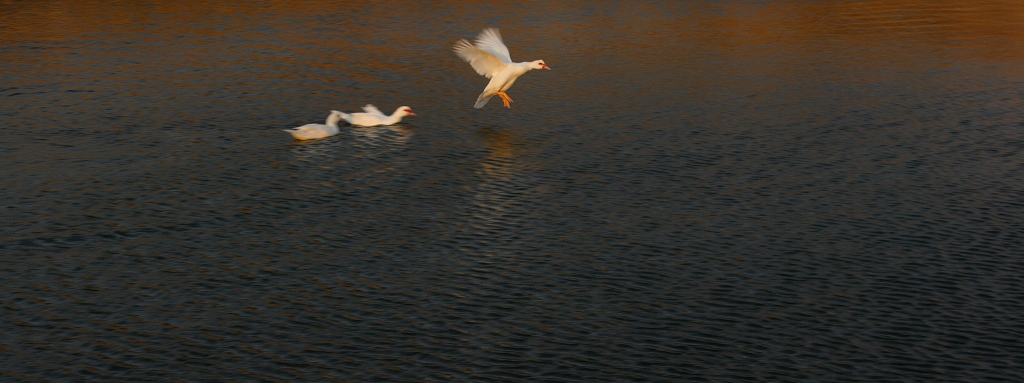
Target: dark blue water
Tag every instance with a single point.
(778, 191)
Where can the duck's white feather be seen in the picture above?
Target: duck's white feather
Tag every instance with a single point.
(314, 131)
(501, 82)
(485, 63)
(369, 108)
(372, 116)
(489, 40)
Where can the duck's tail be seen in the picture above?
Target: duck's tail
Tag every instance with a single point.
(344, 116)
(482, 100)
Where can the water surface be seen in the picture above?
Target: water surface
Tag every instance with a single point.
(723, 191)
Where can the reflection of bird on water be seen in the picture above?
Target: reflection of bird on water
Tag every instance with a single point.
(494, 213)
(499, 142)
(372, 116)
(502, 186)
(366, 143)
(380, 140)
(490, 58)
(314, 131)
(324, 153)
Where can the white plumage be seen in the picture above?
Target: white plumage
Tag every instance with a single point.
(314, 131)
(490, 58)
(372, 116)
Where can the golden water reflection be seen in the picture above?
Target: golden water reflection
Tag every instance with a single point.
(994, 28)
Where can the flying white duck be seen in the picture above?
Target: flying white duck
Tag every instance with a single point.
(314, 131)
(489, 57)
(372, 116)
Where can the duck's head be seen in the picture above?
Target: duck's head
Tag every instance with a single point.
(539, 64)
(405, 111)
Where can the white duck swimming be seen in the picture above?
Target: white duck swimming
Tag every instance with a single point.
(314, 131)
(489, 57)
(372, 116)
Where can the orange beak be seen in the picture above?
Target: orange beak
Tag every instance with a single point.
(547, 67)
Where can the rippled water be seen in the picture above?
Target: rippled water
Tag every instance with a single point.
(723, 191)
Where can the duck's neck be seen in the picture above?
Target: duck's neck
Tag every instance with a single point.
(524, 66)
(333, 119)
(394, 118)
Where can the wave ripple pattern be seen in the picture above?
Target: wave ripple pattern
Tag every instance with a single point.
(699, 191)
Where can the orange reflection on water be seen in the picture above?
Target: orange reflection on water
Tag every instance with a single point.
(993, 29)
(644, 43)
(997, 21)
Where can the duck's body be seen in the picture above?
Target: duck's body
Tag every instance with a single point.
(372, 116)
(490, 58)
(314, 131)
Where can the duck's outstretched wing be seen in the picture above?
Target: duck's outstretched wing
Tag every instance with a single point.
(488, 55)
(489, 40)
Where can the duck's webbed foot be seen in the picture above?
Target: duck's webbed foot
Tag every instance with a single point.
(505, 99)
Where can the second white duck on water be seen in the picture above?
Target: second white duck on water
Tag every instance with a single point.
(314, 131)
(490, 58)
(372, 116)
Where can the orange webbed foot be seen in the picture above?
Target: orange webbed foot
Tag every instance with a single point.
(505, 99)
